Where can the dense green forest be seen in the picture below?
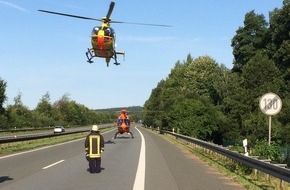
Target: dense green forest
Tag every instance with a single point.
(204, 99)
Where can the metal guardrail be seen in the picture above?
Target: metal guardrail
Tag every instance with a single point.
(24, 130)
(41, 136)
(268, 168)
(34, 137)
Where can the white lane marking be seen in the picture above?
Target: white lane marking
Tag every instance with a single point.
(42, 148)
(34, 150)
(139, 183)
(52, 164)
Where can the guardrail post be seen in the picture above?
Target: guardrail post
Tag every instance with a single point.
(255, 173)
(281, 185)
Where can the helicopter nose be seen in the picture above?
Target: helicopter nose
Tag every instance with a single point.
(123, 125)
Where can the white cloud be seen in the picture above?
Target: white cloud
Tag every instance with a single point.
(14, 6)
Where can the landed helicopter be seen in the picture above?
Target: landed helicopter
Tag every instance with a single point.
(123, 124)
(103, 37)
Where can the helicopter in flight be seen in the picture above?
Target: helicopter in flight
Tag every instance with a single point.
(103, 37)
(123, 124)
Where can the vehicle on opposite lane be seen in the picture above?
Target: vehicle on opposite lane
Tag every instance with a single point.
(58, 129)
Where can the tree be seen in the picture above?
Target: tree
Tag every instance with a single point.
(44, 111)
(153, 105)
(44, 105)
(198, 76)
(61, 109)
(260, 76)
(77, 114)
(279, 47)
(188, 95)
(3, 96)
(19, 116)
(279, 32)
(195, 118)
(248, 39)
(285, 2)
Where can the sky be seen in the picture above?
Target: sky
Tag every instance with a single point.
(42, 53)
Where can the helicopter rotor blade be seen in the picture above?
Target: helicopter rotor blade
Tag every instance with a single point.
(110, 11)
(137, 23)
(69, 15)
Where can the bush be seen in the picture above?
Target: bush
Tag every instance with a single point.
(264, 151)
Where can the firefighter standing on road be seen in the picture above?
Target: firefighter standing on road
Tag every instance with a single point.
(94, 145)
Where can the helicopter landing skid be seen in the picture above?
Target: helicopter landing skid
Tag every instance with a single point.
(90, 55)
(115, 59)
(120, 133)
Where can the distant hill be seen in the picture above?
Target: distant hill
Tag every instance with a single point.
(131, 109)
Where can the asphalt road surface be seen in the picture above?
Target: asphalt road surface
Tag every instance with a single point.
(147, 162)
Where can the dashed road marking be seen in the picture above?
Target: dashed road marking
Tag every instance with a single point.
(53, 164)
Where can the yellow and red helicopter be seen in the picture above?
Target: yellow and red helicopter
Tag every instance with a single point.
(103, 37)
(123, 124)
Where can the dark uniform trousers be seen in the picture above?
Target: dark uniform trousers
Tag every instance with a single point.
(94, 146)
(94, 164)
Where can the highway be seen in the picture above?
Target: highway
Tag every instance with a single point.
(147, 162)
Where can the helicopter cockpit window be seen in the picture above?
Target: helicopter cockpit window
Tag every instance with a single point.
(109, 32)
(96, 30)
(127, 121)
(120, 121)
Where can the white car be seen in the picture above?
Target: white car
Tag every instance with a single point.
(58, 129)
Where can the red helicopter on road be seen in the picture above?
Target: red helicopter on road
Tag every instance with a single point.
(103, 37)
(123, 124)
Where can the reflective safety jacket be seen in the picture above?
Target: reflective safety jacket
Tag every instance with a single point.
(94, 145)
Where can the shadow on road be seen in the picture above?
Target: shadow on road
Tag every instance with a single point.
(110, 142)
(5, 178)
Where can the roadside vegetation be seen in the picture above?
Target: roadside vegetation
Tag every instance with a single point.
(202, 98)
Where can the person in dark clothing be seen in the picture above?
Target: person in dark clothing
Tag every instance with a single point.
(94, 145)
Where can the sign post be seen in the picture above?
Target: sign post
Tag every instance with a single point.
(270, 104)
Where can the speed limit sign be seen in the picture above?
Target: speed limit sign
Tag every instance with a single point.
(270, 104)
